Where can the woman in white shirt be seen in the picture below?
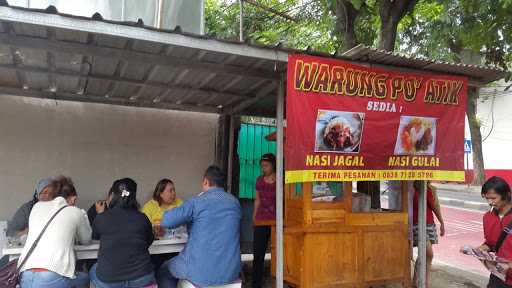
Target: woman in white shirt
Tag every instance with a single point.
(52, 263)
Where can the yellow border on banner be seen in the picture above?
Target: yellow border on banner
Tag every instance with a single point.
(296, 176)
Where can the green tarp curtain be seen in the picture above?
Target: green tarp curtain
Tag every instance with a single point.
(251, 145)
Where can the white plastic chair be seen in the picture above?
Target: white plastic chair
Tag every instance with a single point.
(3, 237)
(186, 284)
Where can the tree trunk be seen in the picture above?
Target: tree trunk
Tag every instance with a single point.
(456, 47)
(476, 138)
(391, 12)
(387, 38)
(346, 16)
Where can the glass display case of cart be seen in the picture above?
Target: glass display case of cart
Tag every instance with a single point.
(322, 202)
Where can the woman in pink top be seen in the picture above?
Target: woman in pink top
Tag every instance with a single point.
(264, 214)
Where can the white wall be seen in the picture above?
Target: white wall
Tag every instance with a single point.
(496, 148)
(96, 144)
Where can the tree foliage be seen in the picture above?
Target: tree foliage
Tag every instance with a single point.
(438, 29)
(312, 28)
(443, 29)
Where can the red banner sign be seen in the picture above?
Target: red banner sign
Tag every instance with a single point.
(348, 122)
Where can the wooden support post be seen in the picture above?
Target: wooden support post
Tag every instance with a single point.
(307, 196)
(231, 150)
(222, 144)
(406, 208)
(347, 196)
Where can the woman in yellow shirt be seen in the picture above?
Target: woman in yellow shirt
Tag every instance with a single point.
(164, 198)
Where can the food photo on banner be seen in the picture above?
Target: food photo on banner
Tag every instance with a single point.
(348, 122)
(338, 131)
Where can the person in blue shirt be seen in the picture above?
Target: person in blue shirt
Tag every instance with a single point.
(212, 254)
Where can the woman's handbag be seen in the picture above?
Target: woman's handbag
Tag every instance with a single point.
(10, 273)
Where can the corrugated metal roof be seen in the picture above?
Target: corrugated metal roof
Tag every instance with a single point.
(478, 73)
(51, 55)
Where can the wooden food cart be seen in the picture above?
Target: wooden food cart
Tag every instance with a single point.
(326, 244)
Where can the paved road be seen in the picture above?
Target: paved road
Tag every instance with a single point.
(474, 197)
(463, 197)
(463, 227)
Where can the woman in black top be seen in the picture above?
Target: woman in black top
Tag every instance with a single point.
(125, 236)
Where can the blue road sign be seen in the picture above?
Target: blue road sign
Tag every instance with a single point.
(467, 146)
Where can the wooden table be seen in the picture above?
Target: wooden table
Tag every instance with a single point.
(90, 251)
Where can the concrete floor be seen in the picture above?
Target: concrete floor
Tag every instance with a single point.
(442, 277)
